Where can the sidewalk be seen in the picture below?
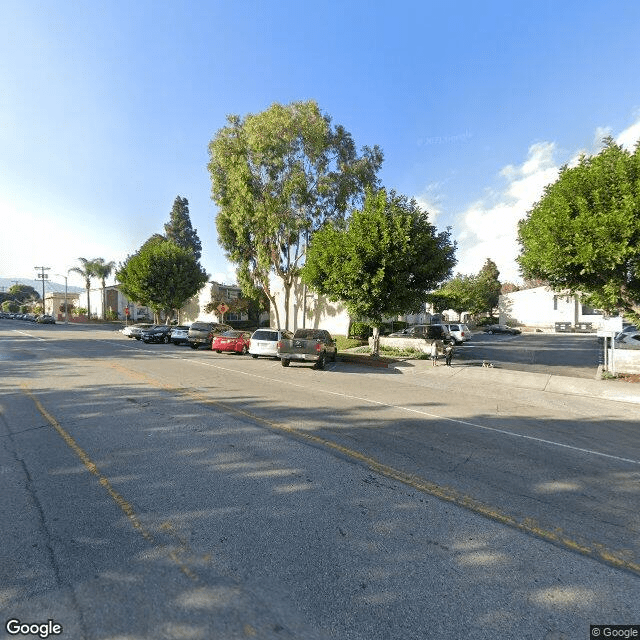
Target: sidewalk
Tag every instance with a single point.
(615, 390)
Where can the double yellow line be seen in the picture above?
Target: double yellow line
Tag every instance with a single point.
(597, 551)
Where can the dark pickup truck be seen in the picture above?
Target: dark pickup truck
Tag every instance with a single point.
(308, 345)
(202, 333)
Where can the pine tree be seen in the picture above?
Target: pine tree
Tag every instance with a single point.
(179, 229)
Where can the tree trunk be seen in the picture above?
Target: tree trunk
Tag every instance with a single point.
(272, 301)
(287, 298)
(375, 349)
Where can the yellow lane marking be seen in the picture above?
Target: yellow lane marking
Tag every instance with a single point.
(595, 550)
(125, 506)
(421, 412)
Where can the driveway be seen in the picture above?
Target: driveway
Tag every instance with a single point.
(575, 355)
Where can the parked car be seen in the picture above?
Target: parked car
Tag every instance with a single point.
(459, 332)
(264, 342)
(156, 333)
(502, 328)
(233, 341)
(308, 345)
(180, 334)
(202, 333)
(46, 319)
(426, 331)
(135, 330)
(630, 328)
(629, 340)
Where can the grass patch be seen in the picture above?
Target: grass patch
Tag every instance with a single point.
(398, 352)
(394, 352)
(348, 343)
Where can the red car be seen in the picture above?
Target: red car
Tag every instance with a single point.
(234, 341)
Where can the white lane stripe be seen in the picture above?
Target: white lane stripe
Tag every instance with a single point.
(24, 333)
(410, 410)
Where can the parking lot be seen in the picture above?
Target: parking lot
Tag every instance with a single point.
(559, 354)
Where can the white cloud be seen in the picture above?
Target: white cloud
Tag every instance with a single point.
(429, 200)
(630, 136)
(225, 277)
(488, 228)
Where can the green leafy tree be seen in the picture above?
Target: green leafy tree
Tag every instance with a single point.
(382, 261)
(87, 271)
(469, 293)
(161, 275)
(487, 287)
(180, 230)
(459, 294)
(23, 293)
(102, 270)
(278, 176)
(584, 234)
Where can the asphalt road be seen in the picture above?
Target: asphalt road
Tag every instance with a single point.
(575, 355)
(153, 491)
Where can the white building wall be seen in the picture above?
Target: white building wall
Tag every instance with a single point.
(320, 312)
(542, 307)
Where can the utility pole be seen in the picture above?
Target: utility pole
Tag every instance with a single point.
(42, 276)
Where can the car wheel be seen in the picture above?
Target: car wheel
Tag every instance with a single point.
(285, 363)
(253, 355)
(244, 350)
(335, 356)
(166, 339)
(490, 333)
(137, 337)
(320, 363)
(218, 351)
(193, 346)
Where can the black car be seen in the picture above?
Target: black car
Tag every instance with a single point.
(202, 333)
(157, 333)
(502, 328)
(427, 331)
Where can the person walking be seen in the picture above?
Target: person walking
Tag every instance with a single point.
(448, 354)
(434, 353)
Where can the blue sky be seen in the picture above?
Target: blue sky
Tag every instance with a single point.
(107, 109)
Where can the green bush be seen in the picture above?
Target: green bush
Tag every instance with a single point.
(343, 343)
(360, 329)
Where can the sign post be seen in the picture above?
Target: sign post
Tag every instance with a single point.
(608, 330)
(222, 309)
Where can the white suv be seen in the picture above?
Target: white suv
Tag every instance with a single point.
(459, 332)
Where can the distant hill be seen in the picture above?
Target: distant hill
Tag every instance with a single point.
(49, 285)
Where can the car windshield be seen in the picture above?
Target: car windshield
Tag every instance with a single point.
(201, 326)
(265, 335)
(309, 334)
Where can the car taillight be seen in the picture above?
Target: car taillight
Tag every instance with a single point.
(280, 345)
(318, 346)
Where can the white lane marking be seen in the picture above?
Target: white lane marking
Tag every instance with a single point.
(29, 335)
(406, 409)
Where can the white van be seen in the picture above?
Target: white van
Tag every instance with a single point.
(459, 332)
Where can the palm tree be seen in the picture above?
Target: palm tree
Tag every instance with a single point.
(102, 270)
(87, 271)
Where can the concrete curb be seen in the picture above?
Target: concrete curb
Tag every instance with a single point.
(606, 389)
